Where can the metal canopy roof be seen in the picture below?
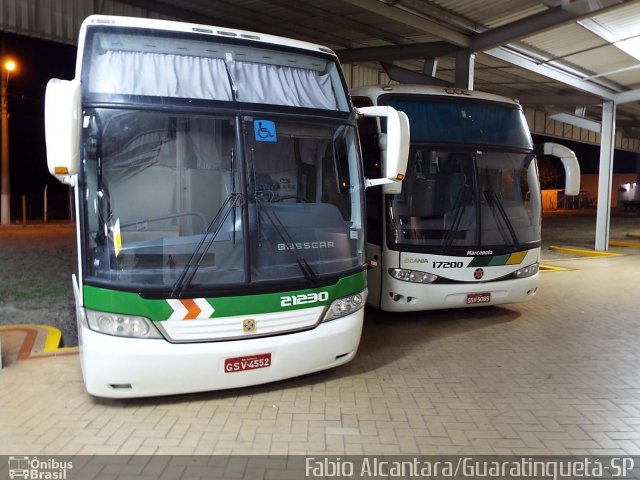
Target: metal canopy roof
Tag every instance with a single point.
(551, 54)
(577, 58)
(554, 56)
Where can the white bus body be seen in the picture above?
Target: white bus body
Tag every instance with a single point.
(219, 199)
(465, 229)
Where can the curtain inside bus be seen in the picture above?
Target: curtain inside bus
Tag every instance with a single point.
(185, 76)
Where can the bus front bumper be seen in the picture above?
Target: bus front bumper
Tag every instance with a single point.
(400, 296)
(116, 367)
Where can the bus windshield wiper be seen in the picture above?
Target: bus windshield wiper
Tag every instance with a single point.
(193, 264)
(457, 218)
(494, 202)
(264, 205)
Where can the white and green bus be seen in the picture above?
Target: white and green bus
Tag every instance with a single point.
(220, 205)
(465, 230)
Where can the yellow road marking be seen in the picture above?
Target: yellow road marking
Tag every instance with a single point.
(624, 243)
(52, 340)
(583, 252)
(53, 334)
(67, 349)
(551, 268)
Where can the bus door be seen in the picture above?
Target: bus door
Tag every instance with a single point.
(374, 197)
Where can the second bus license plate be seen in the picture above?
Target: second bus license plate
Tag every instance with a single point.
(478, 298)
(251, 362)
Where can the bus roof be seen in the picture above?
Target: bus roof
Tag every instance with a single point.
(173, 26)
(374, 91)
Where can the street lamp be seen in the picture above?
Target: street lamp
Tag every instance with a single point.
(8, 66)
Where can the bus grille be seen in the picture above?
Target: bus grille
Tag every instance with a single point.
(241, 326)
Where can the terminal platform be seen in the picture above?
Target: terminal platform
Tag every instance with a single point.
(555, 376)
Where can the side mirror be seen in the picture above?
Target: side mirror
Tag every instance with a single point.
(571, 166)
(62, 126)
(394, 146)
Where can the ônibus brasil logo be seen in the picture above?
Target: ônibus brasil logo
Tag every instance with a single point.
(34, 469)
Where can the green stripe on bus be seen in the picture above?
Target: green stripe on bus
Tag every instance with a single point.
(480, 261)
(498, 260)
(128, 303)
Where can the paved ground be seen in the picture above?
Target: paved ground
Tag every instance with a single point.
(558, 375)
(578, 228)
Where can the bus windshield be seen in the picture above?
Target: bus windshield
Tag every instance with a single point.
(194, 201)
(466, 198)
(471, 180)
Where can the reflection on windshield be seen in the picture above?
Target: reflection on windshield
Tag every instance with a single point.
(465, 198)
(179, 201)
(306, 200)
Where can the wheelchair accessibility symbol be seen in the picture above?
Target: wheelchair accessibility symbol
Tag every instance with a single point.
(265, 131)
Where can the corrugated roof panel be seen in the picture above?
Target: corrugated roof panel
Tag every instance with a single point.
(622, 24)
(629, 78)
(256, 8)
(55, 22)
(563, 41)
(382, 23)
(497, 76)
(507, 17)
(487, 63)
(602, 60)
(494, 13)
(60, 21)
(623, 20)
(359, 76)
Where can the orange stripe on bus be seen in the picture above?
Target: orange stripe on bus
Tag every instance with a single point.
(193, 310)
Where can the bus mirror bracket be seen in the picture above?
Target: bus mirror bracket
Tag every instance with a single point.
(394, 147)
(62, 118)
(571, 166)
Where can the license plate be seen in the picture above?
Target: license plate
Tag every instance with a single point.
(251, 362)
(473, 298)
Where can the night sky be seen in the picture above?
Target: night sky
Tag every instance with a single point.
(38, 61)
(41, 60)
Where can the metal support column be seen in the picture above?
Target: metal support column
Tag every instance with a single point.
(5, 206)
(430, 66)
(465, 61)
(605, 175)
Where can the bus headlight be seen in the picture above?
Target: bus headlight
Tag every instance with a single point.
(121, 325)
(527, 271)
(345, 306)
(413, 276)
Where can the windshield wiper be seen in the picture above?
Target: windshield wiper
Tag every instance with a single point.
(263, 205)
(494, 202)
(190, 269)
(457, 217)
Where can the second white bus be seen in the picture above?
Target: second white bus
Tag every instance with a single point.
(466, 228)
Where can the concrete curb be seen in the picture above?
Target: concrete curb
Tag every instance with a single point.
(22, 342)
